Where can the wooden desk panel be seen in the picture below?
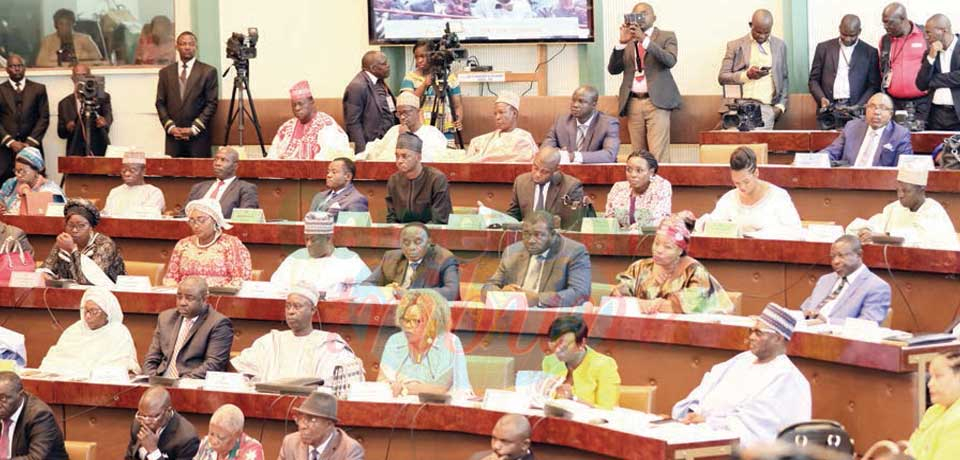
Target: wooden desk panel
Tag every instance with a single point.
(809, 141)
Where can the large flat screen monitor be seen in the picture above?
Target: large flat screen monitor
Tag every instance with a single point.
(481, 21)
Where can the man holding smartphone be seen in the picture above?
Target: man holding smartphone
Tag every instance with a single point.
(757, 63)
(648, 92)
(940, 74)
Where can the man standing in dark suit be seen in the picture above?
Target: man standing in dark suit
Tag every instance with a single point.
(646, 97)
(586, 135)
(369, 108)
(230, 191)
(187, 100)
(24, 115)
(191, 339)
(72, 127)
(845, 70)
(28, 428)
(940, 74)
(418, 264)
(545, 188)
(158, 431)
(340, 194)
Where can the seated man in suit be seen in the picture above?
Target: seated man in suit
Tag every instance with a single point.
(190, 339)
(876, 141)
(550, 269)
(586, 135)
(545, 188)
(418, 264)
(227, 189)
(851, 290)
(510, 440)
(317, 436)
(71, 125)
(340, 194)
(329, 268)
(940, 74)
(845, 70)
(35, 433)
(158, 431)
(416, 193)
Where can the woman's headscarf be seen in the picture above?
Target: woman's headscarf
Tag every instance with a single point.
(32, 157)
(675, 229)
(210, 207)
(107, 302)
(83, 208)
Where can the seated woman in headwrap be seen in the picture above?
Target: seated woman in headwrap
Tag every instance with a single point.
(30, 177)
(672, 281)
(80, 253)
(220, 258)
(98, 340)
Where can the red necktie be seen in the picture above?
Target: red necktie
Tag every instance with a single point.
(5, 439)
(641, 54)
(216, 189)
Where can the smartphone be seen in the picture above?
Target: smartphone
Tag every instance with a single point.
(633, 18)
(765, 69)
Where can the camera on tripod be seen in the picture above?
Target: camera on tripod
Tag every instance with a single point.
(837, 114)
(445, 50)
(743, 114)
(242, 47)
(91, 90)
(908, 118)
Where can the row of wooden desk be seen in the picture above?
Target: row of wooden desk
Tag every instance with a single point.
(925, 290)
(848, 377)
(809, 141)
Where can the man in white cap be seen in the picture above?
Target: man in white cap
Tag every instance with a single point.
(301, 351)
(134, 196)
(920, 220)
(507, 143)
(309, 135)
(756, 393)
(317, 436)
(408, 111)
(329, 268)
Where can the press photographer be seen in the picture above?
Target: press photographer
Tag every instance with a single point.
(84, 117)
(433, 59)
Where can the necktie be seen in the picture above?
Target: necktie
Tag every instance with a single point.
(581, 138)
(216, 189)
(183, 80)
(868, 150)
(408, 276)
(541, 198)
(17, 86)
(833, 295)
(314, 453)
(5, 439)
(641, 55)
(531, 281)
(185, 325)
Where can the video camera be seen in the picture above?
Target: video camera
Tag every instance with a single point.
(445, 50)
(908, 118)
(66, 54)
(91, 89)
(743, 114)
(242, 48)
(837, 114)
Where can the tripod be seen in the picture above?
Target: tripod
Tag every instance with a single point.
(241, 86)
(441, 98)
(89, 114)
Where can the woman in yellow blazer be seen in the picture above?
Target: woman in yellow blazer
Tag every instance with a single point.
(938, 436)
(588, 376)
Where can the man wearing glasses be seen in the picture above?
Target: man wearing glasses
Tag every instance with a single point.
(158, 431)
(874, 141)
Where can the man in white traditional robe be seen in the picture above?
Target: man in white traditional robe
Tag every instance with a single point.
(756, 393)
(920, 220)
(309, 135)
(507, 143)
(134, 197)
(408, 111)
(301, 351)
(329, 268)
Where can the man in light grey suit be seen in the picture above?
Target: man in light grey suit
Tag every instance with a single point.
(851, 290)
(190, 339)
(230, 191)
(551, 270)
(544, 188)
(646, 97)
(340, 194)
(586, 135)
(758, 62)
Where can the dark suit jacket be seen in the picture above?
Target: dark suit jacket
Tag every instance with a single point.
(196, 109)
(521, 204)
(207, 347)
(864, 74)
(364, 118)
(661, 56)
(439, 270)
(24, 117)
(894, 142)
(178, 441)
(350, 199)
(76, 145)
(239, 194)
(930, 77)
(603, 137)
(565, 280)
(37, 435)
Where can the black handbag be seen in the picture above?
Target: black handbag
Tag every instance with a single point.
(821, 433)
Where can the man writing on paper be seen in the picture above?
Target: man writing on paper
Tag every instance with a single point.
(418, 264)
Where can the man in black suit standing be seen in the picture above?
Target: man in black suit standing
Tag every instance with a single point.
(158, 431)
(187, 93)
(230, 191)
(34, 432)
(845, 70)
(72, 127)
(940, 74)
(24, 115)
(369, 108)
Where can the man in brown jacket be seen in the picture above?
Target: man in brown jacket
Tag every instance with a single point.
(318, 437)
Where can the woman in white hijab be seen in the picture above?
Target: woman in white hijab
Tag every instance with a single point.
(98, 340)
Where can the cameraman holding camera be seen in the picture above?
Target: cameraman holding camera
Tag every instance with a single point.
(420, 80)
(71, 124)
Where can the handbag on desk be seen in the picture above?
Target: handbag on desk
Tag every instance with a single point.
(13, 259)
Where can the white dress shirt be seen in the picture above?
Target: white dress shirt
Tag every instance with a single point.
(841, 86)
(868, 149)
(223, 188)
(943, 96)
(13, 424)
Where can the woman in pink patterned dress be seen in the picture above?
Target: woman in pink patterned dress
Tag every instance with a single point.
(220, 258)
(225, 439)
(644, 199)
